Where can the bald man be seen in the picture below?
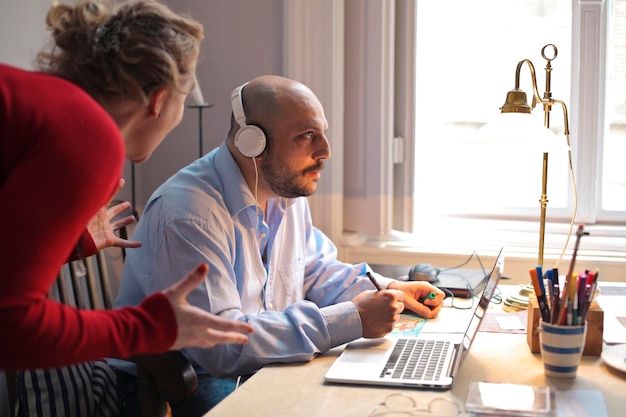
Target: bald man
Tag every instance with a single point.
(241, 210)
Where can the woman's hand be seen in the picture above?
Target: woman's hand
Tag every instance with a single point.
(101, 228)
(196, 327)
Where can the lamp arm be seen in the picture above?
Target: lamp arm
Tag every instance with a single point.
(536, 97)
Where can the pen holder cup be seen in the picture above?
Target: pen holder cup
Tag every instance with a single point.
(561, 348)
(595, 325)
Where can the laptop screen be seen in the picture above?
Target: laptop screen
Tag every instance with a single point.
(483, 303)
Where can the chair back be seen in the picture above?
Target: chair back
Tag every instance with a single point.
(84, 284)
(163, 379)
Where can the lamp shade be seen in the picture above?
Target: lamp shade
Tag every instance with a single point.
(519, 129)
(196, 95)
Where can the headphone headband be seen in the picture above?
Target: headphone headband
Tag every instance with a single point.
(237, 105)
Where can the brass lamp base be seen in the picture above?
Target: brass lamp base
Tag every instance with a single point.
(519, 301)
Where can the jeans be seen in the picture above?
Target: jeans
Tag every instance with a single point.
(211, 390)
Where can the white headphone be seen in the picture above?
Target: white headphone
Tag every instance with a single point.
(249, 139)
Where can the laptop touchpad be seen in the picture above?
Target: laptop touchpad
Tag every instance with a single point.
(364, 355)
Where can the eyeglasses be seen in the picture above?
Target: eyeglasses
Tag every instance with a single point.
(402, 405)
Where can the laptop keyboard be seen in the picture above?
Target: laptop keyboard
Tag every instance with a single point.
(416, 359)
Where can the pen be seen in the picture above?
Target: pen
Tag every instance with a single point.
(430, 296)
(371, 277)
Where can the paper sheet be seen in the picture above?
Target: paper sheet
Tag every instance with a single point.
(614, 311)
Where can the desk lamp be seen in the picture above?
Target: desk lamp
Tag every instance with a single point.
(516, 120)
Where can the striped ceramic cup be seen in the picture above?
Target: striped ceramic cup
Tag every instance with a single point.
(561, 348)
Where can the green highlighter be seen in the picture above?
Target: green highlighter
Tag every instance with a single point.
(430, 296)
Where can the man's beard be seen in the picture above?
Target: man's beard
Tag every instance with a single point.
(287, 183)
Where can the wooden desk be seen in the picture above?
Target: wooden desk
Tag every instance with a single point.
(299, 389)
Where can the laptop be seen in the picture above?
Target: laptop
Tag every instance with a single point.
(425, 360)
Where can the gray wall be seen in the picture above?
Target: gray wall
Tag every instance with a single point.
(243, 39)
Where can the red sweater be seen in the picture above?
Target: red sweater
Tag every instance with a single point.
(61, 156)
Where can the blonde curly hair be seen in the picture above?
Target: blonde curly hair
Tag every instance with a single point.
(124, 49)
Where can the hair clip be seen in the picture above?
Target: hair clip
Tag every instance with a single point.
(108, 36)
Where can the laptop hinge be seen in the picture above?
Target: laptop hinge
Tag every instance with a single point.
(455, 363)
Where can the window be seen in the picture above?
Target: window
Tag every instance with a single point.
(461, 81)
(466, 55)
(612, 170)
(364, 67)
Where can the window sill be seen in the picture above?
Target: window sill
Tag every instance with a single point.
(452, 244)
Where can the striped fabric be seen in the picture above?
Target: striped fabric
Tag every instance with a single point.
(83, 390)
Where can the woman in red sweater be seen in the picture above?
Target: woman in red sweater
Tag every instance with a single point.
(112, 85)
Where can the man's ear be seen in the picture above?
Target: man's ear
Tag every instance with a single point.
(157, 100)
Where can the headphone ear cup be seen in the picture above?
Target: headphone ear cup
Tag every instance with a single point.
(250, 140)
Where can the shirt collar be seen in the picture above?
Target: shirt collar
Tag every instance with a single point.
(237, 194)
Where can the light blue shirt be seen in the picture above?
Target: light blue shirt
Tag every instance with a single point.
(277, 272)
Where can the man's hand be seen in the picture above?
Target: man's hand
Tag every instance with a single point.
(416, 297)
(379, 310)
(101, 228)
(196, 327)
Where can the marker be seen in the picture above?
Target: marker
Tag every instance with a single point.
(556, 304)
(570, 310)
(557, 297)
(550, 284)
(371, 277)
(586, 304)
(581, 292)
(541, 296)
(555, 275)
(592, 282)
(430, 296)
(571, 300)
(539, 271)
(575, 309)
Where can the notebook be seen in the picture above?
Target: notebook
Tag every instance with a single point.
(427, 360)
